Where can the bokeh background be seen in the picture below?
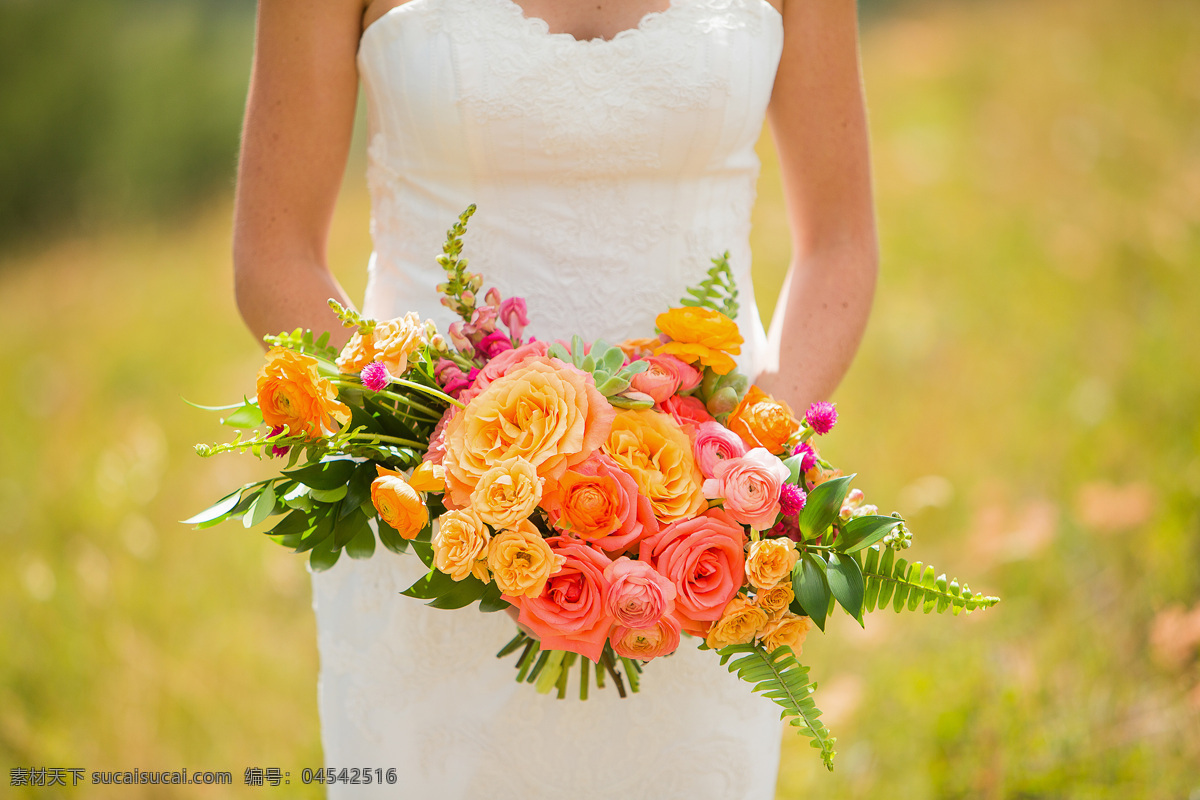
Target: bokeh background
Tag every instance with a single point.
(1027, 394)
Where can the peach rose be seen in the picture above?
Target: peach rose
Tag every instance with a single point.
(665, 376)
(396, 340)
(292, 394)
(700, 335)
(715, 443)
(599, 502)
(775, 599)
(507, 493)
(749, 487)
(357, 353)
(398, 504)
(572, 613)
(770, 562)
(763, 421)
(646, 643)
(786, 629)
(658, 454)
(704, 557)
(638, 595)
(460, 545)
(521, 561)
(545, 411)
(740, 621)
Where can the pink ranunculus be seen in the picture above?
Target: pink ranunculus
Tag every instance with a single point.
(514, 314)
(599, 502)
(705, 559)
(750, 487)
(688, 411)
(495, 343)
(666, 376)
(661, 639)
(638, 595)
(713, 444)
(572, 612)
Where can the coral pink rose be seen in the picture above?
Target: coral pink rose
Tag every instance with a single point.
(572, 612)
(689, 412)
(599, 502)
(501, 365)
(661, 639)
(437, 440)
(638, 596)
(750, 487)
(666, 376)
(704, 557)
(715, 443)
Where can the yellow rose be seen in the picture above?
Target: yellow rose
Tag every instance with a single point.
(544, 411)
(770, 562)
(777, 599)
(652, 448)
(786, 629)
(396, 340)
(428, 477)
(521, 561)
(399, 505)
(762, 421)
(739, 623)
(292, 394)
(357, 353)
(507, 493)
(700, 335)
(460, 546)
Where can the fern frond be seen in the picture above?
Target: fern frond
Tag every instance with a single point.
(778, 676)
(718, 291)
(915, 585)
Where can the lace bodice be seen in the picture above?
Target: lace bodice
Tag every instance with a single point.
(607, 173)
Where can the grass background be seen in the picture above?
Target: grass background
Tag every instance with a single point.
(1027, 394)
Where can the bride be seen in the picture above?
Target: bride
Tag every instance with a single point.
(609, 146)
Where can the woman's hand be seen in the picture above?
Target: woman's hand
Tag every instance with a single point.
(295, 140)
(818, 121)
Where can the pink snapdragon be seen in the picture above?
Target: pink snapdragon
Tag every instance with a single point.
(494, 344)
(750, 487)
(514, 314)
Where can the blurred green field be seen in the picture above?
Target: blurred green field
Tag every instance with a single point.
(1027, 394)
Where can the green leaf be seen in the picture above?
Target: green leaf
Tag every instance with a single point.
(464, 593)
(491, 600)
(430, 585)
(363, 544)
(328, 495)
(247, 415)
(297, 522)
(323, 557)
(391, 539)
(846, 583)
(218, 511)
(324, 475)
(823, 506)
(778, 676)
(358, 488)
(262, 507)
(322, 529)
(811, 588)
(862, 532)
(349, 526)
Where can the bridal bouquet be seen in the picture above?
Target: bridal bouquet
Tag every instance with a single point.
(614, 497)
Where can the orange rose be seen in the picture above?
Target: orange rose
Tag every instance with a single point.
(762, 421)
(292, 394)
(786, 629)
(521, 561)
(652, 448)
(599, 502)
(544, 411)
(740, 622)
(396, 340)
(357, 353)
(507, 493)
(770, 562)
(399, 505)
(700, 335)
(460, 545)
(776, 599)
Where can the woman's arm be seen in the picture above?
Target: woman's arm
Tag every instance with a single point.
(818, 121)
(299, 117)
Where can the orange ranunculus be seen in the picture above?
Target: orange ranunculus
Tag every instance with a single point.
(428, 477)
(652, 448)
(398, 504)
(292, 394)
(545, 411)
(357, 353)
(763, 421)
(700, 335)
(397, 339)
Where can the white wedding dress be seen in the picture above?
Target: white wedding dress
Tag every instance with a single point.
(607, 174)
